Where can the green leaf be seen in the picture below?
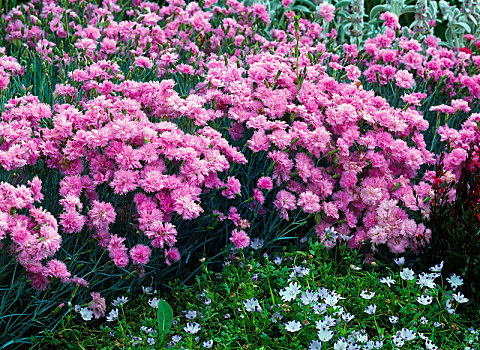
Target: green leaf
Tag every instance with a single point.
(302, 8)
(306, 3)
(343, 3)
(377, 9)
(464, 26)
(164, 318)
(408, 9)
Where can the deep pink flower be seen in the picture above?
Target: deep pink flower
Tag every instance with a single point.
(391, 20)
(233, 187)
(102, 214)
(172, 254)
(240, 239)
(265, 182)
(140, 254)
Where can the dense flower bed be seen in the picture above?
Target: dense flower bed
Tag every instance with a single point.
(162, 125)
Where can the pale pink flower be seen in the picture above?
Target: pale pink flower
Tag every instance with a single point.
(309, 202)
(404, 79)
(97, 305)
(326, 10)
(58, 269)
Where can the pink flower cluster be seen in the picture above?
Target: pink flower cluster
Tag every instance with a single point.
(165, 133)
(33, 233)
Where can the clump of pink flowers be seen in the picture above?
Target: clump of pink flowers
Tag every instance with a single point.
(168, 137)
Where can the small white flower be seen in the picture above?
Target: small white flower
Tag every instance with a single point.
(346, 316)
(120, 301)
(308, 297)
(151, 341)
(407, 334)
(327, 322)
(436, 324)
(325, 334)
(423, 320)
(293, 326)
(322, 292)
(315, 345)
(425, 299)
(407, 274)
(147, 290)
(393, 319)
(136, 340)
(399, 261)
(153, 302)
(425, 281)
(208, 344)
(341, 344)
(460, 298)
(362, 337)
(77, 308)
(191, 314)
(437, 268)
(256, 243)
(367, 295)
(290, 293)
(389, 281)
(252, 305)
(192, 328)
(455, 281)
(355, 268)
(448, 307)
(371, 309)
(86, 314)
(276, 317)
(300, 270)
(331, 299)
(398, 341)
(304, 240)
(176, 338)
(319, 309)
(112, 316)
(277, 260)
(430, 345)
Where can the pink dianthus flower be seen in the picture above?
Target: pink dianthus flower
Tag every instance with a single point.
(309, 202)
(391, 20)
(265, 182)
(326, 10)
(404, 79)
(102, 214)
(58, 269)
(97, 305)
(240, 239)
(140, 254)
(172, 254)
(233, 188)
